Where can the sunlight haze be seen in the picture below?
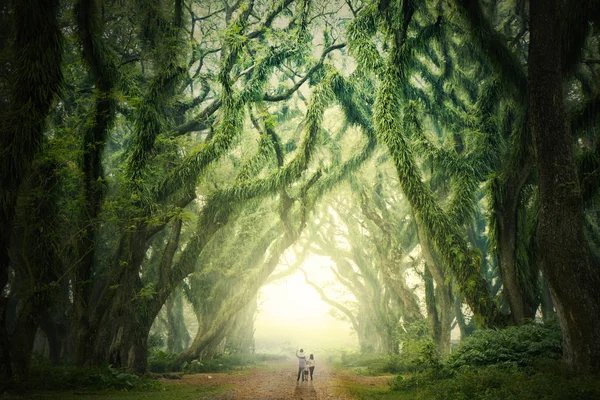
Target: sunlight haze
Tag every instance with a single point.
(292, 315)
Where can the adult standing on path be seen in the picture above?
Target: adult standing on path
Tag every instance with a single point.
(301, 364)
(311, 364)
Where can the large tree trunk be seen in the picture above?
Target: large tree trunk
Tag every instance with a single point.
(231, 306)
(547, 306)
(466, 329)
(124, 322)
(5, 363)
(178, 337)
(506, 219)
(446, 314)
(441, 322)
(34, 259)
(432, 314)
(574, 282)
(94, 137)
(114, 306)
(21, 341)
(52, 332)
(241, 338)
(35, 81)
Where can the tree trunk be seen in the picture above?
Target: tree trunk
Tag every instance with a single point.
(546, 302)
(178, 337)
(466, 329)
(94, 137)
(5, 362)
(36, 81)
(573, 280)
(123, 329)
(241, 338)
(446, 315)
(443, 318)
(51, 331)
(432, 314)
(506, 219)
(21, 341)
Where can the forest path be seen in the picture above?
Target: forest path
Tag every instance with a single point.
(277, 381)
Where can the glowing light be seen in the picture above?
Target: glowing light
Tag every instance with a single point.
(292, 315)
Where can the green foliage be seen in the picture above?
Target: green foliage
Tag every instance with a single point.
(160, 361)
(417, 355)
(440, 226)
(521, 345)
(155, 340)
(219, 364)
(513, 363)
(506, 382)
(375, 364)
(107, 378)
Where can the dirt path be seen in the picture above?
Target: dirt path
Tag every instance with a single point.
(277, 381)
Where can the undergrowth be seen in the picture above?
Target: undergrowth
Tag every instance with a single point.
(160, 361)
(509, 364)
(45, 377)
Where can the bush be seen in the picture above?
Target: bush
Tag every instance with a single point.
(225, 363)
(548, 381)
(160, 361)
(375, 364)
(107, 378)
(518, 362)
(155, 341)
(518, 344)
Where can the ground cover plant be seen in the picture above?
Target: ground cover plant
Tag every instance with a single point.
(513, 363)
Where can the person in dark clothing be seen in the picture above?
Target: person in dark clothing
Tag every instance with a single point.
(301, 364)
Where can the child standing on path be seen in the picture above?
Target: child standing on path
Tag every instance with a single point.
(311, 365)
(301, 364)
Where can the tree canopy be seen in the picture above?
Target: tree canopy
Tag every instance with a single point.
(161, 153)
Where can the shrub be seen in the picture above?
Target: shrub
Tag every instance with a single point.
(518, 362)
(518, 344)
(375, 364)
(548, 381)
(155, 341)
(221, 363)
(107, 378)
(160, 361)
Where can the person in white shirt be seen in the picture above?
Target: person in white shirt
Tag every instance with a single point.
(301, 364)
(310, 363)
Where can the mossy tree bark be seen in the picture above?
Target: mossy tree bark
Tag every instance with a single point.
(521, 306)
(35, 260)
(439, 300)
(178, 337)
(103, 74)
(573, 281)
(36, 79)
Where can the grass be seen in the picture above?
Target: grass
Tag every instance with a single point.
(549, 381)
(360, 392)
(169, 391)
(515, 363)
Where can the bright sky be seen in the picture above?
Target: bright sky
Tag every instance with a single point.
(292, 316)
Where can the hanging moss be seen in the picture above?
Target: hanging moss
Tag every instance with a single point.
(460, 259)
